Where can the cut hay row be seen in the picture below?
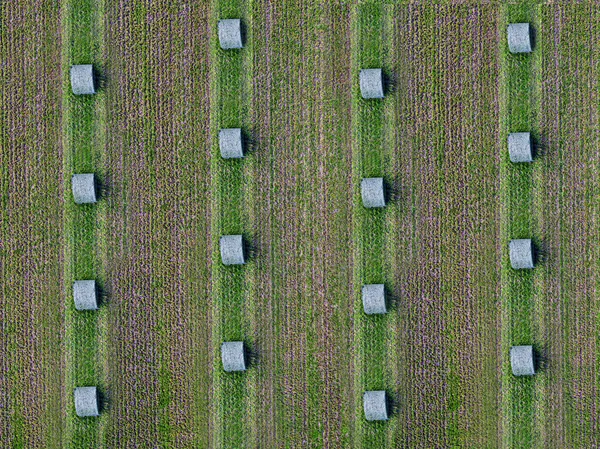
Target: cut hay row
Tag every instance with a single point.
(158, 275)
(83, 145)
(31, 226)
(231, 187)
(519, 87)
(567, 221)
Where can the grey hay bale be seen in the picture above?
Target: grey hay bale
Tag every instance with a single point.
(84, 295)
(82, 79)
(84, 188)
(373, 192)
(375, 405)
(230, 143)
(233, 356)
(519, 38)
(86, 401)
(371, 83)
(522, 360)
(232, 250)
(373, 298)
(519, 147)
(230, 34)
(521, 254)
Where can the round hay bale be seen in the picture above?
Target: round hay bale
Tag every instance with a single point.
(519, 147)
(230, 34)
(233, 356)
(84, 295)
(373, 192)
(230, 143)
(521, 254)
(519, 38)
(86, 401)
(373, 298)
(522, 360)
(84, 188)
(82, 79)
(371, 83)
(375, 405)
(232, 250)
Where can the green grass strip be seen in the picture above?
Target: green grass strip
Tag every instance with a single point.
(518, 112)
(229, 109)
(84, 137)
(368, 224)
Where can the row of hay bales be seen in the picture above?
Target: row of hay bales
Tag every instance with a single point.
(521, 251)
(233, 353)
(85, 292)
(373, 195)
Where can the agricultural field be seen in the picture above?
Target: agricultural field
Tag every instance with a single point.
(453, 94)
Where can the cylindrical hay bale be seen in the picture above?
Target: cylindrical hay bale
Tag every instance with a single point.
(373, 192)
(230, 143)
(82, 79)
(230, 34)
(519, 147)
(371, 83)
(519, 38)
(232, 250)
(522, 360)
(373, 297)
(375, 405)
(521, 254)
(84, 188)
(84, 295)
(86, 401)
(233, 356)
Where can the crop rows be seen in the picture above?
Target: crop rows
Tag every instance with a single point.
(158, 277)
(440, 245)
(566, 218)
(31, 227)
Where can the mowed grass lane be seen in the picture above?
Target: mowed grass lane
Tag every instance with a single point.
(158, 225)
(566, 206)
(32, 399)
(519, 91)
(442, 231)
(83, 127)
(232, 296)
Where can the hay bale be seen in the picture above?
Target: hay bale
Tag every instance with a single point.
(519, 38)
(84, 295)
(521, 254)
(519, 147)
(230, 34)
(232, 250)
(371, 83)
(233, 356)
(84, 188)
(373, 192)
(375, 405)
(522, 360)
(230, 143)
(86, 401)
(373, 298)
(82, 79)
